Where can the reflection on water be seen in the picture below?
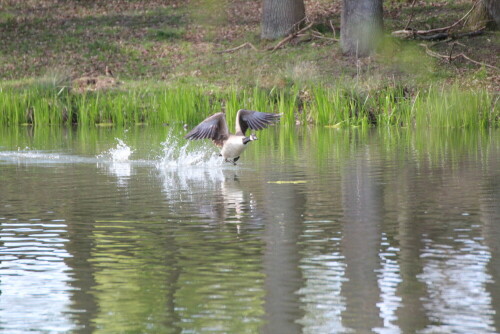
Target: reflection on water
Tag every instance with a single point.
(34, 275)
(456, 277)
(341, 231)
(324, 274)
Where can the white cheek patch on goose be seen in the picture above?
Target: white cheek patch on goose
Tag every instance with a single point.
(215, 128)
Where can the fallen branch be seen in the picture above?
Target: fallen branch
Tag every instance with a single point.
(476, 62)
(451, 58)
(239, 47)
(438, 33)
(300, 33)
(451, 36)
(289, 38)
(333, 28)
(436, 37)
(454, 24)
(317, 34)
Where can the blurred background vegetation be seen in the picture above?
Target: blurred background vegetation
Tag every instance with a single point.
(130, 45)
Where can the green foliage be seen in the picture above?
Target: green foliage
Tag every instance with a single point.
(167, 34)
(456, 108)
(49, 103)
(7, 19)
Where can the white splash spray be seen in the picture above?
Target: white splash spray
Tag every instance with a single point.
(175, 155)
(121, 152)
(116, 162)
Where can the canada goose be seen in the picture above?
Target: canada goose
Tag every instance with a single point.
(215, 128)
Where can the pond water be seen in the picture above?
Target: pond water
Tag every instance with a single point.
(316, 230)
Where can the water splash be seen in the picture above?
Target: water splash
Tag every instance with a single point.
(27, 154)
(183, 167)
(120, 153)
(116, 162)
(175, 155)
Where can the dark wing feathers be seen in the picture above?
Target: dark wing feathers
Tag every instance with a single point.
(213, 127)
(255, 120)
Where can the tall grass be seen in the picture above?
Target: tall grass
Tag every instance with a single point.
(320, 105)
(457, 108)
(339, 108)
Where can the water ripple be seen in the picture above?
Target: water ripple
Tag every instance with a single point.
(34, 275)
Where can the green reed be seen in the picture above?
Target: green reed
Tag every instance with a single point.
(320, 105)
(456, 108)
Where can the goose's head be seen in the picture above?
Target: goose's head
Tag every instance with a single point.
(250, 138)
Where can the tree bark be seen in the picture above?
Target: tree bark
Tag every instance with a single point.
(486, 13)
(361, 26)
(280, 17)
(493, 7)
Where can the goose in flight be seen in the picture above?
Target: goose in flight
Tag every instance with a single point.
(232, 145)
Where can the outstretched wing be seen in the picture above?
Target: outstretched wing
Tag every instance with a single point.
(213, 127)
(254, 120)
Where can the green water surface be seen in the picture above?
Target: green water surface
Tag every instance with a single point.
(316, 230)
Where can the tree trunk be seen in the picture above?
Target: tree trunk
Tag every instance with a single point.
(361, 26)
(486, 13)
(280, 17)
(493, 7)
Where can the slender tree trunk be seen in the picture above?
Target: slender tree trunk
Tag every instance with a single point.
(361, 26)
(280, 17)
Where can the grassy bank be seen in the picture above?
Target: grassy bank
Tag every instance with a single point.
(320, 105)
(173, 62)
(183, 42)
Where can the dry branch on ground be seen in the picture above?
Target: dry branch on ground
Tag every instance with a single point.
(436, 33)
(300, 33)
(450, 57)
